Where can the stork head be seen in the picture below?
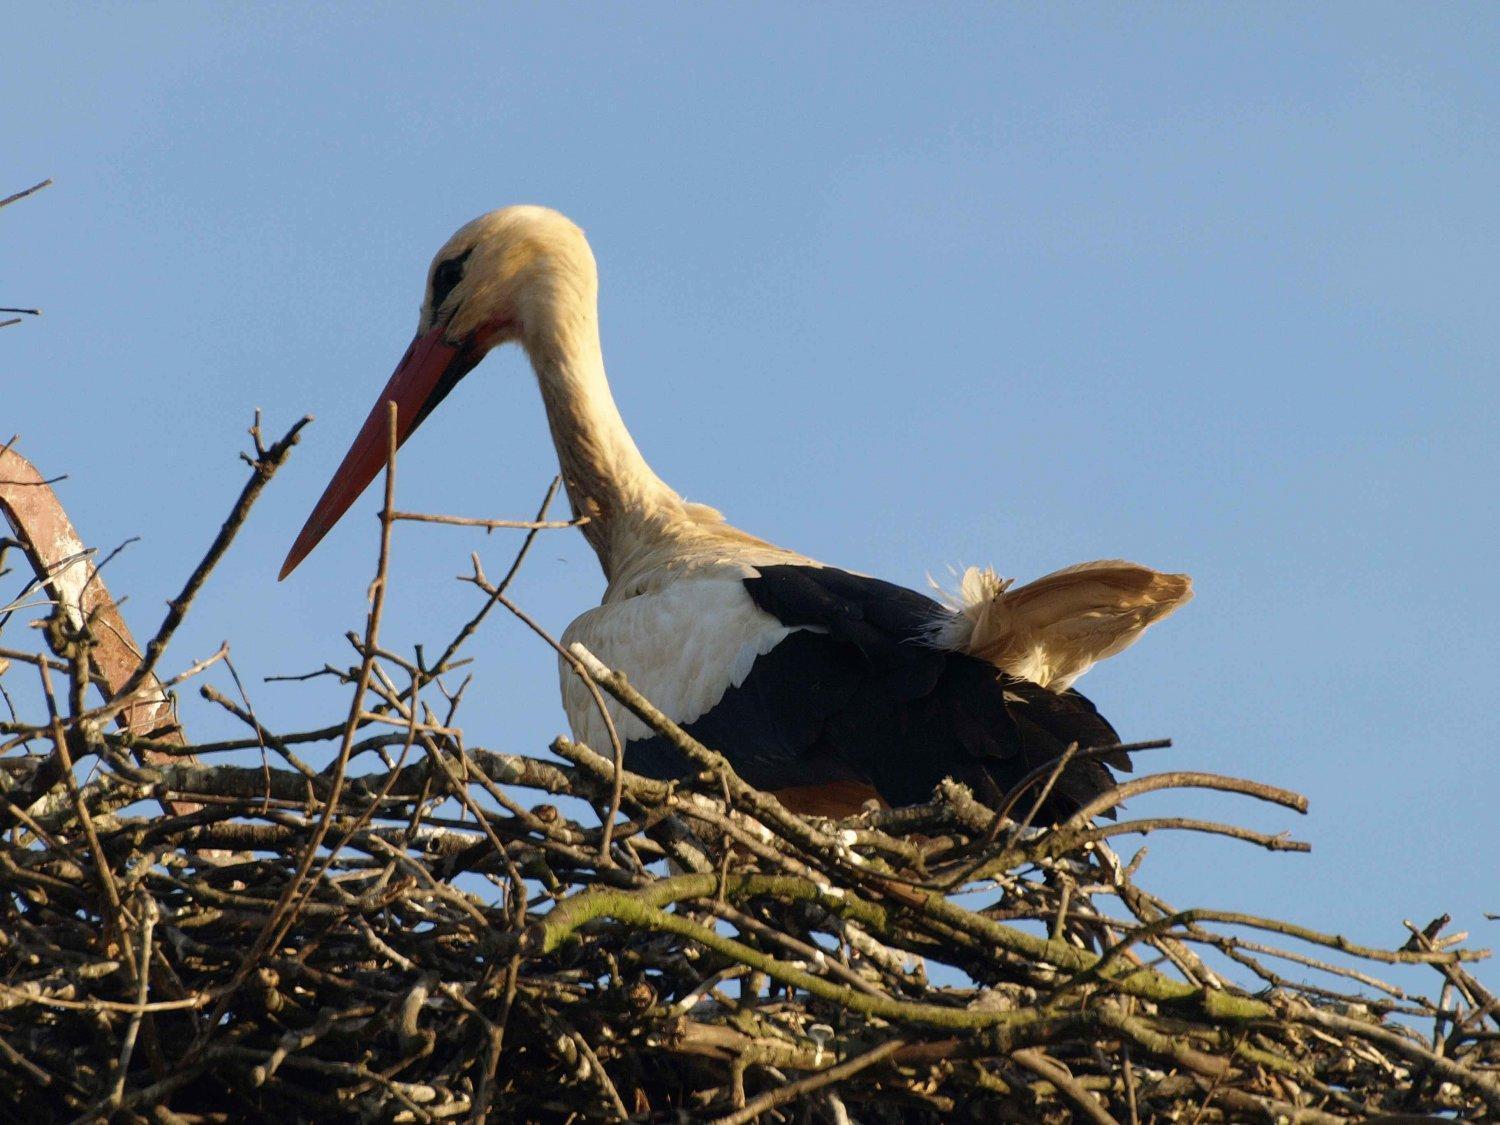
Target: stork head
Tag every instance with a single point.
(517, 274)
(507, 276)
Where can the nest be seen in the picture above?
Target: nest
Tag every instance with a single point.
(378, 921)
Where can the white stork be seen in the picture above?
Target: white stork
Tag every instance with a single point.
(822, 685)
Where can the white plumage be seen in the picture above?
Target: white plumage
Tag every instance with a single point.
(682, 646)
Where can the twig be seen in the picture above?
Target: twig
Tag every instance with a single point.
(24, 192)
(781, 1095)
(264, 468)
(147, 913)
(491, 525)
(1038, 1063)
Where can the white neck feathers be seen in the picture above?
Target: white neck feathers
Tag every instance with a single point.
(606, 477)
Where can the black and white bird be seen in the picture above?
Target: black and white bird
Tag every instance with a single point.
(823, 686)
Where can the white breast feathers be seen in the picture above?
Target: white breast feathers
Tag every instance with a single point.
(682, 647)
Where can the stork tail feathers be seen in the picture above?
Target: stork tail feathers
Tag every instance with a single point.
(1053, 630)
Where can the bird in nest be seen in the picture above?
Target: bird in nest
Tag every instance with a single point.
(823, 686)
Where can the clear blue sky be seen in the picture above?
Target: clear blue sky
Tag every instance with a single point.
(1213, 288)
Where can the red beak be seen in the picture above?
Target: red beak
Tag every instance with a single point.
(429, 370)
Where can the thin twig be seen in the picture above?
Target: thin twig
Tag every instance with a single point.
(491, 525)
(781, 1095)
(24, 192)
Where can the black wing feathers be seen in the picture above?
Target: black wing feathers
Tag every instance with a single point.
(859, 694)
(771, 726)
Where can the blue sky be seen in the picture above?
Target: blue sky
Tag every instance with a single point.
(1211, 288)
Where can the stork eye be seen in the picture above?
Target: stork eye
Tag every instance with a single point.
(448, 274)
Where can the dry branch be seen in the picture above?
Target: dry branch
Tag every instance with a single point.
(6, 202)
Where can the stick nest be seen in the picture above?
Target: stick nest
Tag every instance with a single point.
(378, 921)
